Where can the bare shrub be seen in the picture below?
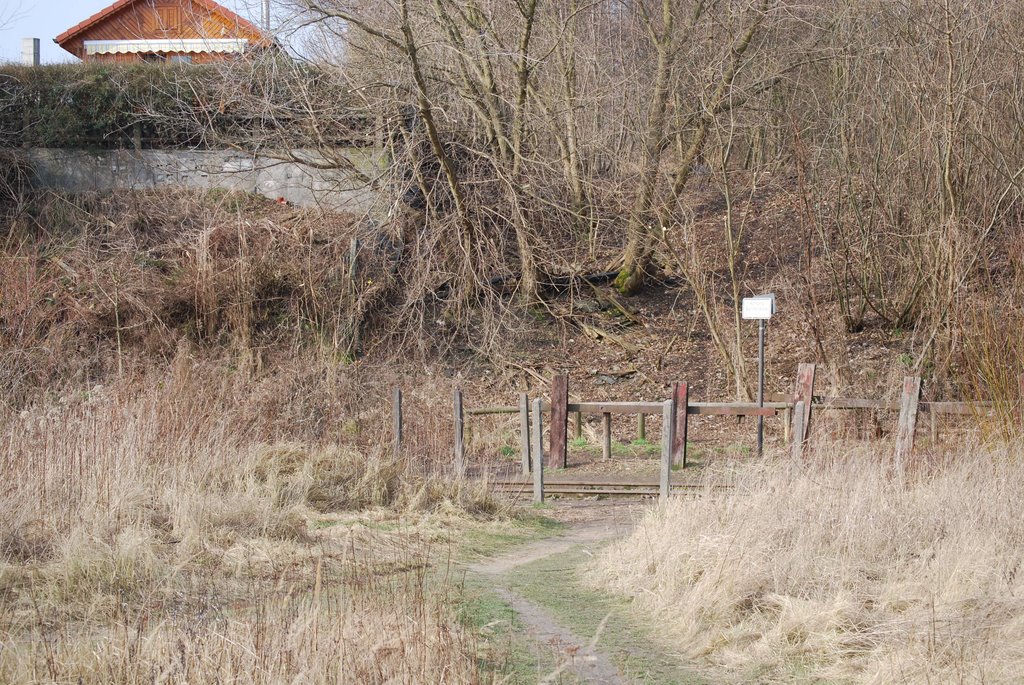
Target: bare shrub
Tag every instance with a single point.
(903, 191)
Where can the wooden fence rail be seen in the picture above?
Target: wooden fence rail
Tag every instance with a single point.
(647, 408)
(797, 409)
(955, 408)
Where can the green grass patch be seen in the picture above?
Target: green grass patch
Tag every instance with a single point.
(634, 449)
(621, 450)
(492, 539)
(694, 453)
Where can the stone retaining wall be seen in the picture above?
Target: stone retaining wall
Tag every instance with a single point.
(299, 184)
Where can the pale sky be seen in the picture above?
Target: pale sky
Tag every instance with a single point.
(45, 19)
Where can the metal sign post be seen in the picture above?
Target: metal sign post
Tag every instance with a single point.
(760, 384)
(759, 308)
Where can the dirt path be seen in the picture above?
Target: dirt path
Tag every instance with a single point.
(580, 655)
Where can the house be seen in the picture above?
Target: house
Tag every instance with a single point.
(197, 31)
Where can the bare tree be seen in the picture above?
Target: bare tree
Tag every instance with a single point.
(525, 140)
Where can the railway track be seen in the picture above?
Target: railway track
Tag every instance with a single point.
(621, 488)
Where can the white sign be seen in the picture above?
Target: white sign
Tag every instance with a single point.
(760, 307)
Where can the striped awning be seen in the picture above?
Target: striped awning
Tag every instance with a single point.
(111, 47)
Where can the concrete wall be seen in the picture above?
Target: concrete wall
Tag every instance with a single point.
(299, 184)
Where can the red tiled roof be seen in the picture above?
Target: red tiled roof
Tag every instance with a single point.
(121, 4)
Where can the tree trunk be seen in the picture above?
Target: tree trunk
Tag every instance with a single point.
(640, 236)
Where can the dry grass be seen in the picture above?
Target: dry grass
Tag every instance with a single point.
(837, 572)
(148, 534)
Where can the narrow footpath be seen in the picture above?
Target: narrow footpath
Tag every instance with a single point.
(578, 654)
(593, 636)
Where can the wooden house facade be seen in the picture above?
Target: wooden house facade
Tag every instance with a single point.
(198, 31)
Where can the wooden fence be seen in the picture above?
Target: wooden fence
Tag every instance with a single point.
(797, 410)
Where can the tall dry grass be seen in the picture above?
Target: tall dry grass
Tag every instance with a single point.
(836, 572)
(171, 529)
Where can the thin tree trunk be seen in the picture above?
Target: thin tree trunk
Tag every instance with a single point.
(527, 263)
(641, 235)
(639, 242)
(466, 232)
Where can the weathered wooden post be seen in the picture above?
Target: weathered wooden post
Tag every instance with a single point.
(933, 420)
(524, 430)
(460, 445)
(803, 393)
(354, 336)
(606, 437)
(577, 429)
(396, 416)
(909, 401)
(796, 448)
(641, 427)
(558, 456)
(668, 432)
(538, 451)
(681, 396)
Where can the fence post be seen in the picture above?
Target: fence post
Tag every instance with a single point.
(538, 451)
(641, 427)
(558, 456)
(396, 415)
(577, 429)
(681, 398)
(460, 445)
(796, 448)
(354, 326)
(524, 430)
(606, 438)
(908, 421)
(804, 392)
(668, 431)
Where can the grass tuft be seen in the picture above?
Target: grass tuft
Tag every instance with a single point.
(835, 571)
(148, 534)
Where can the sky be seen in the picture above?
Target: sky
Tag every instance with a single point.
(46, 19)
